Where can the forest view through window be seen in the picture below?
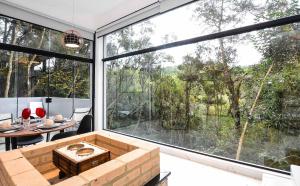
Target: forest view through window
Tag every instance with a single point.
(235, 96)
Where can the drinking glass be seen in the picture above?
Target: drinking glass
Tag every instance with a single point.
(26, 123)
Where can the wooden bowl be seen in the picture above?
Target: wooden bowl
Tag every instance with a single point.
(75, 146)
(85, 151)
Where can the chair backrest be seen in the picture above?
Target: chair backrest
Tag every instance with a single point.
(79, 113)
(85, 125)
(34, 105)
(6, 116)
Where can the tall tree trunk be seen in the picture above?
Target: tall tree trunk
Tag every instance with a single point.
(187, 104)
(233, 92)
(239, 149)
(6, 32)
(10, 61)
(31, 61)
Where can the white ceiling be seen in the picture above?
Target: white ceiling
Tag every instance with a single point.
(89, 14)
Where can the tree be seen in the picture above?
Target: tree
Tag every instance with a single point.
(15, 29)
(129, 80)
(188, 72)
(277, 51)
(30, 70)
(31, 61)
(219, 15)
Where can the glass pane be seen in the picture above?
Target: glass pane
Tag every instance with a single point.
(61, 87)
(8, 82)
(201, 96)
(32, 81)
(194, 20)
(26, 80)
(24, 34)
(82, 80)
(82, 76)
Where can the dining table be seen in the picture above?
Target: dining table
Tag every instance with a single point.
(32, 130)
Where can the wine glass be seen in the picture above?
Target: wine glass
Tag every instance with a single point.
(26, 117)
(41, 112)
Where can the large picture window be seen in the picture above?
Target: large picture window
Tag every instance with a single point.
(233, 96)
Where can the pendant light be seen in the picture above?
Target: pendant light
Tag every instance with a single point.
(72, 38)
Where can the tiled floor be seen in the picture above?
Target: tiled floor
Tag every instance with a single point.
(189, 173)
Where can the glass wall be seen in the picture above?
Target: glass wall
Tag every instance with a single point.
(26, 78)
(16, 32)
(203, 96)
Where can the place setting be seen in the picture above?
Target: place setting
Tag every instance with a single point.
(7, 127)
(53, 122)
(26, 122)
(40, 123)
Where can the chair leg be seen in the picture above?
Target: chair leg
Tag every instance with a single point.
(7, 144)
(48, 137)
(14, 143)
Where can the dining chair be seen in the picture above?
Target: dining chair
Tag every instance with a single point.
(5, 117)
(78, 115)
(85, 126)
(29, 140)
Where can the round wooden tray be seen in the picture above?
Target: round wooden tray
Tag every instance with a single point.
(85, 151)
(75, 146)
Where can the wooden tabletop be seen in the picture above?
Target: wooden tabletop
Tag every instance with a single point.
(32, 130)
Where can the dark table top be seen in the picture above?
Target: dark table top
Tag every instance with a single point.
(32, 130)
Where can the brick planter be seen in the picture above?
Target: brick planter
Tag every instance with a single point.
(133, 162)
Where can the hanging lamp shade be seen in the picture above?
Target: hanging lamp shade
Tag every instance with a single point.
(72, 39)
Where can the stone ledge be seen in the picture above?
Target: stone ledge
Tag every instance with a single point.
(30, 178)
(134, 158)
(104, 173)
(10, 155)
(17, 166)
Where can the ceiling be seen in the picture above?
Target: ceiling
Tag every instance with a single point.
(88, 14)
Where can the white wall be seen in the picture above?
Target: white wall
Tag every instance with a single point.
(99, 85)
